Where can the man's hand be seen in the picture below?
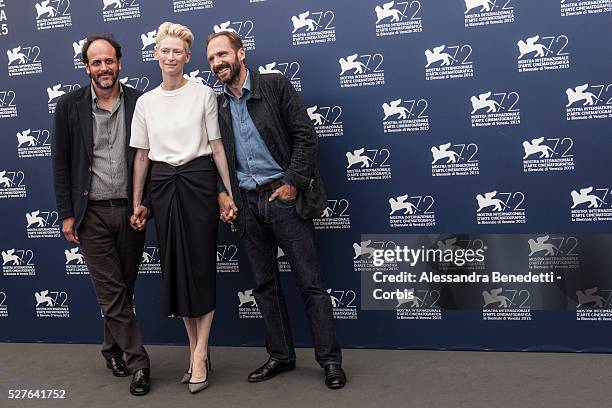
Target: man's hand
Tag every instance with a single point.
(285, 193)
(138, 220)
(227, 208)
(68, 230)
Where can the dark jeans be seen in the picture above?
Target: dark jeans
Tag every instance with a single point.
(113, 251)
(270, 225)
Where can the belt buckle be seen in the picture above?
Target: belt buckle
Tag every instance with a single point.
(115, 202)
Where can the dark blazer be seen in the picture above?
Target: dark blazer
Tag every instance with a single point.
(286, 129)
(72, 150)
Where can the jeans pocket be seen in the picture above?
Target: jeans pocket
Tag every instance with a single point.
(284, 203)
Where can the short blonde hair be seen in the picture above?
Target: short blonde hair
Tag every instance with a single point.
(176, 30)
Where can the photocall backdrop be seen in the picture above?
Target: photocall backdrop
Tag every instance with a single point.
(465, 124)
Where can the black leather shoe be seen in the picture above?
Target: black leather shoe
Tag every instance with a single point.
(334, 376)
(270, 369)
(141, 382)
(118, 367)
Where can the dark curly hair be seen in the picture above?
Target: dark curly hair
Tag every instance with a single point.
(94, 37)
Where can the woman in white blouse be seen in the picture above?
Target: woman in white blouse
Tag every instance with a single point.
(175, 128)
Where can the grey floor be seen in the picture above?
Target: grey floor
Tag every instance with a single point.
(377, 378)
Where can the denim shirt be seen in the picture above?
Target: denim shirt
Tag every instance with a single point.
(255, 166)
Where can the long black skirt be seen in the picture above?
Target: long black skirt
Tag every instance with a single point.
(186, 213)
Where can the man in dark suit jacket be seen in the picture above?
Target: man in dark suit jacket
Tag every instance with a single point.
(92, 171)
(271, 146)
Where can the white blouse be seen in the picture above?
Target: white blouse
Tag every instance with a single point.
(176, 125)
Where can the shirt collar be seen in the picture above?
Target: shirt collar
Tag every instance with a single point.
(246, 87)
(94, 97)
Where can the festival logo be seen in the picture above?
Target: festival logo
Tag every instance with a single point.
(3, 305)
(408, 115)
(313, 27)
(501, 304)
(327, 120)
(116, 10)
(243, 28)
(8, 107)
(148, 45)
(460, 159)
(397, 18)
(590, 204)
(18, 262)
(368, 164)
(496, 208)
(77, 58)
(488, 12)
(33, 143)
(24, 61)
(589, 102)
(247, 305)
(335, 216)
(182, 6)
(553, 252)
(12, 184)
(75, 262)
(593, 304)
(361, 70)
(449, 62)
(585, 7)
(412, 211)
(422, 305)
(205, 77)
(52, 304)
(288, 69)
(551, 154)
(495, 109)
(140, 83)
(363, 255)
(227, 258)
(150, 262)
(51, 14)
(344, 303)
(57, 90)
(43, 224)
(543, 53)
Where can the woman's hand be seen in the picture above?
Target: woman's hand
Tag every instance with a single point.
(227, 208)
(138, 220)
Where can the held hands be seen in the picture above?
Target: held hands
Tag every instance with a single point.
(68, 230)
(138, 220)
(227, 208)
(285, 193)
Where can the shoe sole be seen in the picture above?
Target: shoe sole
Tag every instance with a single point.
(256, 380)
(139, 394)
(196, 390)
(335, 387)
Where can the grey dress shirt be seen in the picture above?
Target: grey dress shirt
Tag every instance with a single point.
(109, 167)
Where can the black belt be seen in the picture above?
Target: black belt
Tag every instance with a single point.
(273, 185)
(114, 202)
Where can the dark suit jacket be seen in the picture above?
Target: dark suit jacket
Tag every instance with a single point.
(286, 129)
(72, 150)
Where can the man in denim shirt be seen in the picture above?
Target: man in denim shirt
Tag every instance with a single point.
(271, 147)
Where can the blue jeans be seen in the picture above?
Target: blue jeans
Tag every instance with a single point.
(270, 225)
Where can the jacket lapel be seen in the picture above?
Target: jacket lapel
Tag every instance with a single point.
(226, 116)
(84, 109)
